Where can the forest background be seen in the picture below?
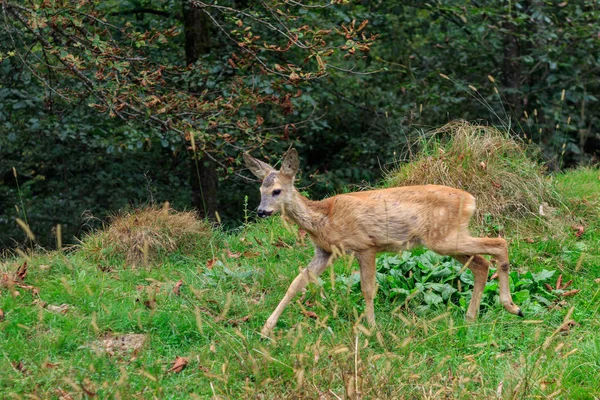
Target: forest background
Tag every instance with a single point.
(106, 105)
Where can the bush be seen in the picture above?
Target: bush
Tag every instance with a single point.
(143, 235)
(499, 170)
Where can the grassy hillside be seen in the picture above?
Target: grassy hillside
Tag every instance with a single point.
(63, 326)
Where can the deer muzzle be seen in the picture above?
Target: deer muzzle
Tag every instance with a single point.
(264, 213)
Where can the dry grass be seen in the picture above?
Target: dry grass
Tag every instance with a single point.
(499, 170)
(144, 234)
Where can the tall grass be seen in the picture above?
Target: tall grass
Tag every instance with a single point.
(501, 171)
(142, 236)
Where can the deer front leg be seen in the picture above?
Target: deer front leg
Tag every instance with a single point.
(316, 267)
(368, 283)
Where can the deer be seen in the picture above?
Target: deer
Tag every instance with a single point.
(365, 223)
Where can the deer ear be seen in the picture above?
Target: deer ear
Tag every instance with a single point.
(258, 168)
(290, 163)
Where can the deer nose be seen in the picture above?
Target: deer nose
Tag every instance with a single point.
(264, 213)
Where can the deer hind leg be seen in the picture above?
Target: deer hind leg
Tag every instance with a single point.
(316, 267)
(480, 267)
(368, 283)
(465, 245)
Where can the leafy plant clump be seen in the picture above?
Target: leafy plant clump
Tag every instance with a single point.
(429, 280)
(496, 168)
(143, 235)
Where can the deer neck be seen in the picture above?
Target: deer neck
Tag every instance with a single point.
(308, 215)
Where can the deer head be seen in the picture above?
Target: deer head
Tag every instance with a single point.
(277, 188)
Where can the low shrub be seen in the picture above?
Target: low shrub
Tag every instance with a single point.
(501, 171)
(142, 235)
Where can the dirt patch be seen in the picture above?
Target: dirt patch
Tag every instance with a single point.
(114, 344)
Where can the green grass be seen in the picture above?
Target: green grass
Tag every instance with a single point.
(413, 354)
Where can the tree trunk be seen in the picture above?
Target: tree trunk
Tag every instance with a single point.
(203, 171)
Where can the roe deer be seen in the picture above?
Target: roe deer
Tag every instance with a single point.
(365, 223)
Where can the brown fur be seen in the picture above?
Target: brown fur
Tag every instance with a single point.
(365, 223)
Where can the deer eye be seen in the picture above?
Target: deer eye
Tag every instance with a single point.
(276, 192)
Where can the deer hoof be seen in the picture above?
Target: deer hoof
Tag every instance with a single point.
(266, 331)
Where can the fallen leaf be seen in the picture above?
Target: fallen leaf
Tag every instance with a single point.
(203, 368)
(210, 263)
(104, 268)
(529, 240)
(562, 286)
(49, 365)
(62, 309)
(258, 242)
(6, 281)
(177, 287)
(150, 304)
(44, 267)
(570, 292)
(499, 389)
(579, 230)
(483, 165)
(310, 314)
(496, 185)
(89, 392)
(597, 280)
(179, 364)
(26, 287)
(19, 366)
(566, 327)
(22, 272)
(281, 243)
(250, 254)
(233, 255)
(558, 305)
(236, 322)
(38, 302)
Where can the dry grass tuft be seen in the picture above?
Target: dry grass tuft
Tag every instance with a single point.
(499, 170)
(142, 235)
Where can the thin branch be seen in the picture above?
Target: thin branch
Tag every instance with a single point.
(269, 25)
